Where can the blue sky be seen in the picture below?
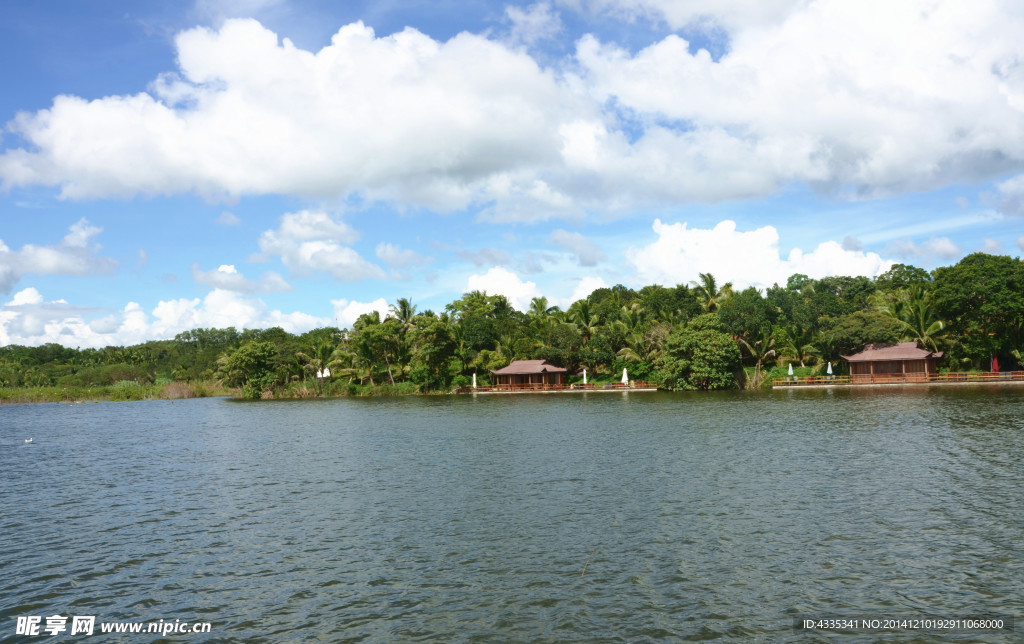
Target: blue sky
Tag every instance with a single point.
(256, 163)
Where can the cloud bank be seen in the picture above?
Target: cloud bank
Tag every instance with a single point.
(821, 93)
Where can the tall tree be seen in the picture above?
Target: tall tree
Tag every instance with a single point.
(700, 355)
(709, 293)
(982, 297)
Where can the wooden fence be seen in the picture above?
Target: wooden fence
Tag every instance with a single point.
(893, 379)
(524, 388)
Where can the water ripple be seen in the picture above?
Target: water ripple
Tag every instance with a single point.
(587, 518)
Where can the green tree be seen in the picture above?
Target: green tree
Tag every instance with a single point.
(981, 297)
(903, 275)
(849, 334)
(251, 366)
(709, 294)
(912, 309)
(434, 346)
(700, 355)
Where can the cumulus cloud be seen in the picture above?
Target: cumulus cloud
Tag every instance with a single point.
(810, 92)
(247, 113)
(830, 94)
(30, 320)
(228, 278)
(73, 255)
(584, 288)
(745, 258)
(942, 247)
(346, 312)
(586, 251)
(309, 242)
(501, 281)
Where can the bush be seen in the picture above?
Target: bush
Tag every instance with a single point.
(701, 356)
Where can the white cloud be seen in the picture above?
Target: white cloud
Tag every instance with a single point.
(227, 219)
(862, 98)
(34, 321)
(745, 258)
(1011, 195)
(501, 281)
(26, 296)
(1020, 243)
(830, 93)
(991, 246)
(586, 251)
(396, 256)
(731, 14)
(585, 287)
(249, 114)
(346, 312)
(942, 247)
(309, 242)
(535, 23)
(228, 278)
(72, 256)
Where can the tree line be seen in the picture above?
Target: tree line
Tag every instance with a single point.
(701, 335)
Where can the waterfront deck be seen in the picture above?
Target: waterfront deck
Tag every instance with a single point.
(1007, 377)
(527, 388)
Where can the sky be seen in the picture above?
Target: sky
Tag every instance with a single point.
(257, 163)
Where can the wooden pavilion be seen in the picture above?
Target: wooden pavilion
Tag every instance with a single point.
(902, 362)
(526, 373)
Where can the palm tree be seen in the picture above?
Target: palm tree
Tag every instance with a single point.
(585, 321)
(708, 292)
(762, 349)
(798, 343)
(644, 347)
(539, 308)
(404, 311)
(317, 359)
(912, 308)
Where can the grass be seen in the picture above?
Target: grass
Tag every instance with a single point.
(125, 390)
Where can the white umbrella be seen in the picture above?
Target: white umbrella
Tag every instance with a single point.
(625, 377)
(829, 368)
(791, 368)
(474, 381)
(584, 376)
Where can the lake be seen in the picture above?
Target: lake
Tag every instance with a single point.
(587, 517)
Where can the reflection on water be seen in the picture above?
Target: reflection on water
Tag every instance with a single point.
(471, 518)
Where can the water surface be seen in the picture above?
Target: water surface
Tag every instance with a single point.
(694, 516)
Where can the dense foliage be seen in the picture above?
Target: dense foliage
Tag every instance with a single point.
(695, 336)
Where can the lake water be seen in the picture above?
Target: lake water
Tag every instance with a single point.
(595, 517)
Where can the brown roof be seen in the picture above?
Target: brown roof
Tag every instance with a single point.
(900, 351)
(528, 366)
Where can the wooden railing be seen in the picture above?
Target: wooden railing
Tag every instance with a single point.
(898, 378)
(633, 384)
